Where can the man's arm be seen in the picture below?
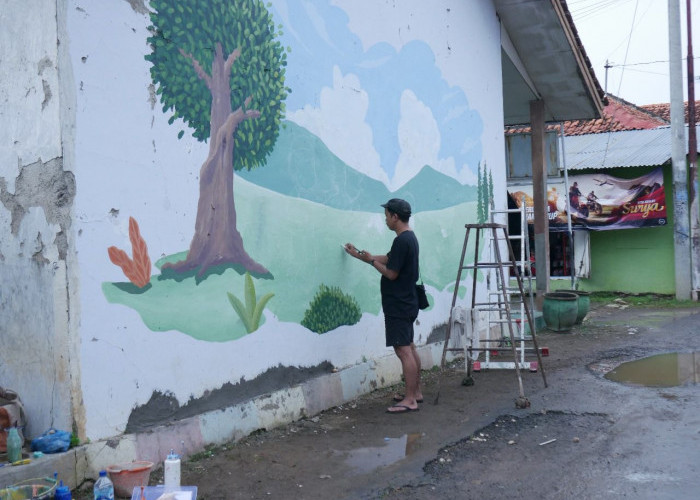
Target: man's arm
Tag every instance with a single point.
(378, 262)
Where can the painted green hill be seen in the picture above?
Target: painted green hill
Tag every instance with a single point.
(303, 167)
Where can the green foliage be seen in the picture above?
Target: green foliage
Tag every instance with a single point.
(484, 194)
(251, 312)
(329, 309)
(480, 196)
(196, 28)
(482, 210)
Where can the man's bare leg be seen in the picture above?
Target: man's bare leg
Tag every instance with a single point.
(406, 355)
(416, 358)
(419, 391)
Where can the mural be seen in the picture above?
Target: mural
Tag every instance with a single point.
(305, 123)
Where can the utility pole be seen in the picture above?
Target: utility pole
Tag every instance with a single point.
(693, 165)
(681, 244)
(607, 67)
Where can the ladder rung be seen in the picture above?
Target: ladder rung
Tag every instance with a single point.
(501, 349)
(507, 211)
(489, 265)
(516, 339)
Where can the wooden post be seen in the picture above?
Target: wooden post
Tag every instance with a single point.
(539, 197)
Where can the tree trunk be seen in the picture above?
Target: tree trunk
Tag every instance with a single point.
(216, 239)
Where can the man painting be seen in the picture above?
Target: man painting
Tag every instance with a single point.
(399, 270)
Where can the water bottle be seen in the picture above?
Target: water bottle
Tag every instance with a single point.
(14, 445)
(104, 489)
(171, 474)
(62, 493)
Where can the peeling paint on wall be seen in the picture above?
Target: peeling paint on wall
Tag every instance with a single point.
(47, 94)
(44, 185)
(139, 6)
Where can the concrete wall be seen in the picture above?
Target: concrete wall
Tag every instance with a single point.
(386, 100)
(37, 190)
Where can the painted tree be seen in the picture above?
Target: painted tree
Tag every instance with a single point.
(492, 201)
(479, 196)
(218, 65)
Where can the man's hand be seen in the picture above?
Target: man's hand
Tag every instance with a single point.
(358, 254)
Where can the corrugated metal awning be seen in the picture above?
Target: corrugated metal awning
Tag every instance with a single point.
(628, 148)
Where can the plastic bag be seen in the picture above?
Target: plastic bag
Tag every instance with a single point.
(52, 441)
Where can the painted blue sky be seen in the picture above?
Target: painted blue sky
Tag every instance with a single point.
(385, 111)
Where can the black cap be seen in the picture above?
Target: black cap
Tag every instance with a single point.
(398, 206)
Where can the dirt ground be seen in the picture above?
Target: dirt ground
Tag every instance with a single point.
(583, 436)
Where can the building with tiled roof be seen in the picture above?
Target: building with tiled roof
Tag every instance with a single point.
(618, 115)
(664, 110)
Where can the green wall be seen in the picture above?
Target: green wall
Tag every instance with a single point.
(634, 260)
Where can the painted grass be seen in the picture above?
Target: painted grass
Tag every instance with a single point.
(301, 246)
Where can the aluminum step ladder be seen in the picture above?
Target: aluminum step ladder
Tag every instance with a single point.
(498, 307)
(498, 341)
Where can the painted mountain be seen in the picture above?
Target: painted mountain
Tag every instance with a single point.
(302, 166)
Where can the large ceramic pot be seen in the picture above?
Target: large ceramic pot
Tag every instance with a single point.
(584, 304)
(560, 310)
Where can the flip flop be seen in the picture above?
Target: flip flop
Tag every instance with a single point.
(400, 397)
(407, 409)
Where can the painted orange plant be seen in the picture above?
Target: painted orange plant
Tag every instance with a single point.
(138, 269)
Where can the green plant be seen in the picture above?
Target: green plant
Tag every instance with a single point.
(251, 312)
(329, 309)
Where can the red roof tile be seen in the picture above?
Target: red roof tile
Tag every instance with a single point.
(618, 115)
(664, 110)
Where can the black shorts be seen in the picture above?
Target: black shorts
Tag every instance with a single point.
(399, 331)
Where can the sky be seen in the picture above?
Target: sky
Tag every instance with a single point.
(632, 35)
(342, 71)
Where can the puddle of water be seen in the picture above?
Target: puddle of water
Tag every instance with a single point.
(364, 460)
(662, 370)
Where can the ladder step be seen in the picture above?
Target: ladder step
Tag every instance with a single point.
(516, 339)
(489, 265)
(500, 349)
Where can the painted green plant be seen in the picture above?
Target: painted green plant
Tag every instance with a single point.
(250, 312)
(484, 194)
(329, 309)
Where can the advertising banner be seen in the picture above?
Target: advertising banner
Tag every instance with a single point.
(601, 202)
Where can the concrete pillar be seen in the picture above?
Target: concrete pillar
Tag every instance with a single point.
(539, 197)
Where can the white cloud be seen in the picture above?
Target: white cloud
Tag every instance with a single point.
(419, 140)
(339, 122)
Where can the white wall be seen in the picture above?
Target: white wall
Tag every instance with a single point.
(128, 161)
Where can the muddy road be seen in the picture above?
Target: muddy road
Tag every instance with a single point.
(584, 436)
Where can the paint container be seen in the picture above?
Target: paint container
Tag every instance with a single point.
(171, 476)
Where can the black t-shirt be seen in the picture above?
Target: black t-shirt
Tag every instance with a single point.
(399, 296)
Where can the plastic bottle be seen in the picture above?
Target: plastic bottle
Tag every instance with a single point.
(104, 489)
(62, 492)
(14, 445)
(171, 474)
